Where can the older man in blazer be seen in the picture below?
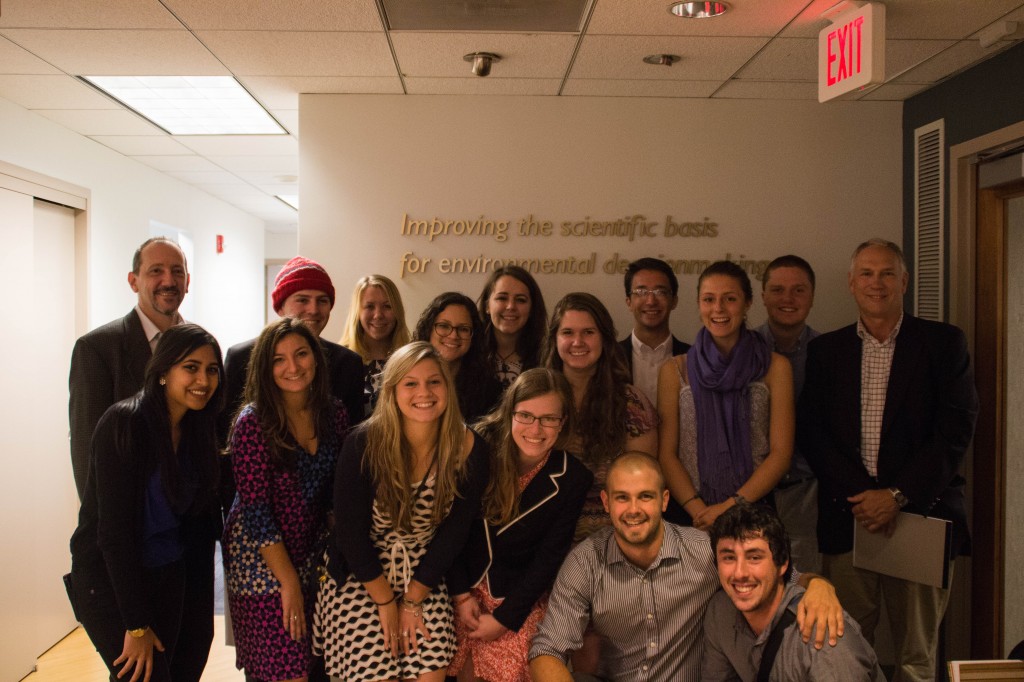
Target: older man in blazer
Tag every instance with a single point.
(108, 365)
(886, 414)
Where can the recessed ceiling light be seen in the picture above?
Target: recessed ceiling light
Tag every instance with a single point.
(191, 105)
(698, 10)
(290, 199)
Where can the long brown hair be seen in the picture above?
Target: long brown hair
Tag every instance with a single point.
(388, 452)
(530, 342)
(263, 393)
(501, 500)
(600, 419)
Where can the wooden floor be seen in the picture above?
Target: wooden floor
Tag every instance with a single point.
(75, 658)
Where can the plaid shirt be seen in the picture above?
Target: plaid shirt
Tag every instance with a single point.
(875, 364)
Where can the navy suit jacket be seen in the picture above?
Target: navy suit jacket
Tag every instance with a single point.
(107, 365)
(521, 559)
(930, 408)
(626, 344)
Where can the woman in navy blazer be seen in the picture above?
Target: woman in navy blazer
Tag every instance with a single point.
(501, 580)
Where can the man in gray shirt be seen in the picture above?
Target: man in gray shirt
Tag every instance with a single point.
(787, 290)
(754, 614)
(643, 585)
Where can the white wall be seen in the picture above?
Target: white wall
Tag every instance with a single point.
(776, 177)
(226, 291)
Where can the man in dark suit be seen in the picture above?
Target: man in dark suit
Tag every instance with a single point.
(108, 365)
(887, 411)
(652, 293)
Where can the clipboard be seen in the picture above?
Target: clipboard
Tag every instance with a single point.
(918, 551)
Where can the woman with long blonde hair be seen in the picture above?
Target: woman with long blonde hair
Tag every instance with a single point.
(407, 489)
(375, 327)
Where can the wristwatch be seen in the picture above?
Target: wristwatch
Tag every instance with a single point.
(138, 632)
(901, 499)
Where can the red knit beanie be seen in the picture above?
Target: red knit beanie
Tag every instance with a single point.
(298, 274)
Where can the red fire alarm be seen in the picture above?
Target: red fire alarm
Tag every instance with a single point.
(220, 243)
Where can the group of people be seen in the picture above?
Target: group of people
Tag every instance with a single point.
(499, 494)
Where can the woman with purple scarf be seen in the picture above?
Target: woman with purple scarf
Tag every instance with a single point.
(726, 406)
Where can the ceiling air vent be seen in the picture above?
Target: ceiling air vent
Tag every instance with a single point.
(533, 16)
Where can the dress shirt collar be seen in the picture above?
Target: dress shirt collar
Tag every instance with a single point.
(150, 329)
(641, 347)
(865, 335)
(669, 551)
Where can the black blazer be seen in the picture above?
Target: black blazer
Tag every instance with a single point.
(930, 408)
(521, 559)
(626, 344)
(107, 365)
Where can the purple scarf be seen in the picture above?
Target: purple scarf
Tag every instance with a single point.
(722, 401)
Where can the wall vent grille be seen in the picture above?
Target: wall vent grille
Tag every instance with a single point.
(929, 220)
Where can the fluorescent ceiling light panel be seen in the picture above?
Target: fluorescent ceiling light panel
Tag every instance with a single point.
(290, 199)
(191, 105)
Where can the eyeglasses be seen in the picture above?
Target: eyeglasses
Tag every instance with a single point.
(549, 420)
(463, 331)
(644, 292)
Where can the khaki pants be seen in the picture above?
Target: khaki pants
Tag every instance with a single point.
(915, 612)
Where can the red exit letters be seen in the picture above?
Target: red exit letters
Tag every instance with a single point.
(845, 45)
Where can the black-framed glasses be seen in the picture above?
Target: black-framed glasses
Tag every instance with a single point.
(644, 292)
(462, 331)
(548, 420)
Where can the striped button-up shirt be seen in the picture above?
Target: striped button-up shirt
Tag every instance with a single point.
(650, 619)
(875, 365)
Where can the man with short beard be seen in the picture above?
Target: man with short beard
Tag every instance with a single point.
(642, 585)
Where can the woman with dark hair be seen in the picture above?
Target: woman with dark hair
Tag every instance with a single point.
(515, 320)
(375, 327)
(284, 447)
(610, 416)
(501, 580)
(451, 325)
(726, 406)
(407, 488)
(151, 491)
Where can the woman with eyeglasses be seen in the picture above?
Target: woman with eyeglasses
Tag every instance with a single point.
(500, 581)
(610, 415)
(407, 489)
(726, 405)
(451, 325)
(150, 494)
(375, 327)
(515, 319)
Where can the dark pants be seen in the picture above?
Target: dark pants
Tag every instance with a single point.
(96, 607)
(196, 613)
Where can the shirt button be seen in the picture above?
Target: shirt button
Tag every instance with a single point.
(652, 645)
(650, 615)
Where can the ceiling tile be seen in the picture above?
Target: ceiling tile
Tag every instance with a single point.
(483, 86)
(230, 191)
(177, 163)
(784, 59)
(261, 178)
(915, 19)
(289, 118)
(901, 55)
(744, 18)
(702, 58)
(749, 89)
(267, 164)
(240, 145)
(282, 92)
(120, 52)
(17, 60)
(523, 55)
(955, 58)
(895, 91)
(142, 145)
(283, 53)
(53, 92)
(278, 15)
(86, 14)
(598, 87)
(198, 178)
(100, 121)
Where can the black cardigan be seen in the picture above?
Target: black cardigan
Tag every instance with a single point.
(521, 559)
(352, 551)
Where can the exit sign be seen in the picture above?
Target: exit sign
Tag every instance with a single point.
(851, 51)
